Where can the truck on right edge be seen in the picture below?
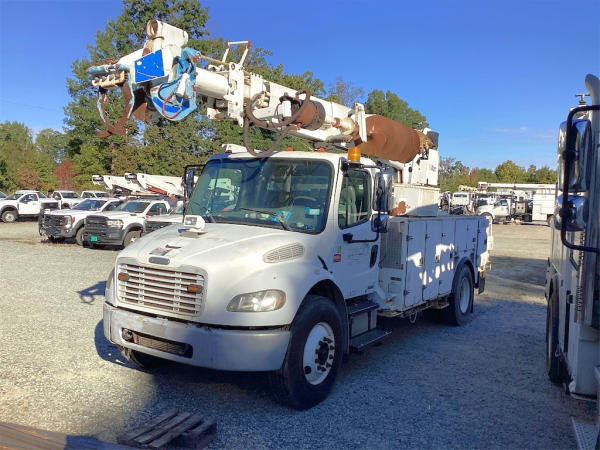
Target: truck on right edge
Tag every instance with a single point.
(573, 271)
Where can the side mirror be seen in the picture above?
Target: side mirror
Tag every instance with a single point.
(383, 190)
(190, 175)
(379, 224)
(578, 151)
(575, 213)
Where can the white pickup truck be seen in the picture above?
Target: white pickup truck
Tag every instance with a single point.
(66, 199)
(157, 222)
(123, 225)
(69, 223)
(25, 203)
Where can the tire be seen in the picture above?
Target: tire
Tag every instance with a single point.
(461, 298)
(10, 216)
(553, 362)
(549, 221)
(130, 237)
(316, 333)
(79, 236)
(142, 360)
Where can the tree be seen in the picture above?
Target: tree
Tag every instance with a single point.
(509, 172)
(393, 107)
(51, 143)
(64, 174)
(345, 93)
(120, 37)
(545, 175)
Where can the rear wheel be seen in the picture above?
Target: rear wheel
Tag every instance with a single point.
(314, 355)
(461, 299)
(553, 363)
(131, 237)
(9, 216)
(549, 221)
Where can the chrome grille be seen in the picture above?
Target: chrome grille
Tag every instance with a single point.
(96, 225)
(54, 221)
(160, 289)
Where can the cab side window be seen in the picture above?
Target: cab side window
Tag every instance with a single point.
(111, 206)
(355, 198)
(157, 209)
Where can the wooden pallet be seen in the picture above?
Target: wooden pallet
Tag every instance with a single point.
(183, 430)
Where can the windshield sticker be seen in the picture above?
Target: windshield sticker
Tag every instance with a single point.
(312, 211)
(282, 216)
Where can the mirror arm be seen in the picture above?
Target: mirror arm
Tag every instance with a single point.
(568, 155)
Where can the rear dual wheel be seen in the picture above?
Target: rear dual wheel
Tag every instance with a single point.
(461, 299)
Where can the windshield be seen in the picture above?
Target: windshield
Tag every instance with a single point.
(178, 210)
(280, 193)
(90, 204)
(70, 194)
(14, 196)
(40, 195)
(134, 206)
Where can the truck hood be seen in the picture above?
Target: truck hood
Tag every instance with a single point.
(118, 214)
(230, 244)
(70, 212)
(167, 218)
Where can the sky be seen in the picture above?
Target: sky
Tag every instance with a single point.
(495, 78)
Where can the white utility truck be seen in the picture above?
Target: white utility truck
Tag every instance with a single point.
(287, 265)
(25, 203)
(124, 224)
(573, 274)
(68, 223)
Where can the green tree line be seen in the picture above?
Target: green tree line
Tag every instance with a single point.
(454, 173)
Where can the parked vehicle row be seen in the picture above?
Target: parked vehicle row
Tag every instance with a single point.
(107, 221)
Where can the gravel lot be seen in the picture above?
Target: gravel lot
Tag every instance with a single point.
(428, 386)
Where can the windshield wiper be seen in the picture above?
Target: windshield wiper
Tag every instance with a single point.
(272, 214)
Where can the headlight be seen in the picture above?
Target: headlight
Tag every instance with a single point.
(261, 301)
(70, 221)
(115, 223)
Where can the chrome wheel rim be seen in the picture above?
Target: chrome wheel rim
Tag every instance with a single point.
(319, 352)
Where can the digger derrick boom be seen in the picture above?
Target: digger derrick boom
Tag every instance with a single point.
(166, 79)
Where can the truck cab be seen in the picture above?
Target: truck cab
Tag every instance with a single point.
(123, 225)
(25, 203)
(66, 199)
(500, 210)
(94, 194)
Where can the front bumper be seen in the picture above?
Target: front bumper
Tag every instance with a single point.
(56, 231)
(214, 348)
(110, 237)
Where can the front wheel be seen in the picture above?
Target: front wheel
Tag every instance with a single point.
(131, 237)
(461, 299)
(9, 216)
(314, 354)
(79, 236)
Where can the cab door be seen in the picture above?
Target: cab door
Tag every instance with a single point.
(29, 204)
(354, 264)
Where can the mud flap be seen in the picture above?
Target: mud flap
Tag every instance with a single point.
(481, 283)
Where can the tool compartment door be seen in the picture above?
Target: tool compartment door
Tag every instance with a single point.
(466, 238)
(445, 250)
(432, 259)
(415, 246)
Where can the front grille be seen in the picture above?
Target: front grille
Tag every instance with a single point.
(54, 221)
(96, 226)
(53, 225)
(164, 345)
(162, 290)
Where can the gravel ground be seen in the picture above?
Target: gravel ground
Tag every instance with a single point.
(428, 386)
